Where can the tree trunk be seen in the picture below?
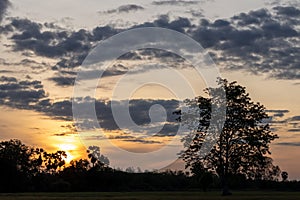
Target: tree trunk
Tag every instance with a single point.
(225, 187)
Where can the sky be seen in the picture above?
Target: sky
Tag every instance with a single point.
(46, 46)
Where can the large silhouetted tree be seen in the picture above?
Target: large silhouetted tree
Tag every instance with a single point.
(243, 145)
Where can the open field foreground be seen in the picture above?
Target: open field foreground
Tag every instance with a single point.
(152, 196)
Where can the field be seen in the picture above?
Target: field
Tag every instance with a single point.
(152, 196)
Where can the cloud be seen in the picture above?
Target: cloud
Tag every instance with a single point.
(138, 109)
(295, 144)
(130, 138)
(294, 118)
(175, 3)
(30, 95)
(288, 11)
(163, 21)
(29, 35)
(36, 67)
(260, 41)
(6, 71)
(70, 129)
(21, 94)
(279, 122)
(294, 130)
(125, 9)
(139, 112)
(4, 4)
(7, 79)
(277, 113)
(63, 81)
(196, 13)
(143, 141)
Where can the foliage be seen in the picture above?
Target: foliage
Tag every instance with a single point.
(284, 176)
(243, 146)
(97, 159)
(24, 169)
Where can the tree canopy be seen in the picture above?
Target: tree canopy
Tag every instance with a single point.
(243, 147)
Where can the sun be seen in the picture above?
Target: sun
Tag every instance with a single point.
(68, 148)
(69, 157)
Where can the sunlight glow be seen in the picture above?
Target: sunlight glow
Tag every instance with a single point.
(68, 148)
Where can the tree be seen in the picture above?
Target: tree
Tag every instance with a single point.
(18, 164)
(284, 176)
(97, 159)
(26, 159)
(203, 177)
(81, 165)
(54, 161)
(243, 144)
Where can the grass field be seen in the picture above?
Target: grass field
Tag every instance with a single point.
(152, 196)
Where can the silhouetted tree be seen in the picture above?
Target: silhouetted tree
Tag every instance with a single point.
(130, 170)
(243, 145)
(79, 165)
(18, 163)
(97, 159)
(54, 161)
(202, 176)
(284, 176)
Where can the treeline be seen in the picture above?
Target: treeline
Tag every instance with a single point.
(27, 169)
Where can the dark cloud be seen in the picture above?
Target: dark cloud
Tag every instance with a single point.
(7, 79)
(21, 94)
(259, 42)
(30, 95)
(294, 130)
(175, 3)
(125, 9)
(4, 4)
(29, 35)
(288, 11)
(143, 141)
(6, 71)
(120, 136)
(277, 113)
(295, 118)
(139, 113)
(70, 129)
(139, 109)
(36, 67)
(131, 138)
(163, 21)
(278, 122)
(295, 144)
(26, 25)
(252, 18)
(70, 47)
(5, 29)
(63, 81)
(100, 33)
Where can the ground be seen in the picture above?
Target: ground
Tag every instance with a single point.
(152, 196)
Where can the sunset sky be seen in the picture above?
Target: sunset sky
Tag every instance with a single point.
(43, 45)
